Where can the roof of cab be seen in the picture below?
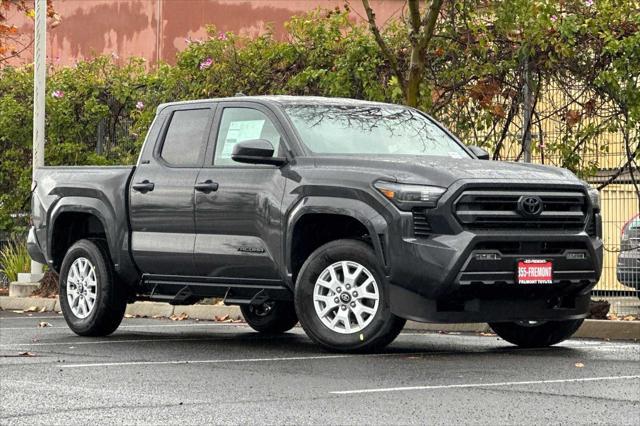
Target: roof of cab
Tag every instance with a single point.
(279, 99)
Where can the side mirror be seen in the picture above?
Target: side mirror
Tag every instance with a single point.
(479, 152)
(256, 151)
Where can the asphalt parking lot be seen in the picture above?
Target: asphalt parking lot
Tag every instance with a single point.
(155, 371)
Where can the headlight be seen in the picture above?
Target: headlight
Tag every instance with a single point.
(595, 198)
(406, 196)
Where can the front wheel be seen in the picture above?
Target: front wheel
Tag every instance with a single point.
(92, 301)
(341, 299)
(532, 334)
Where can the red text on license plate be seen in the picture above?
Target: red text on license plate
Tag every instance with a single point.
(535, 271)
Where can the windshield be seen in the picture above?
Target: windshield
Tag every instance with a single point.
(370, 129)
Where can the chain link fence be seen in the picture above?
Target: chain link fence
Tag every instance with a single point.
(115, 140)
(4, 280)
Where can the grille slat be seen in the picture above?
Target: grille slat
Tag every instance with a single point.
(486, 209)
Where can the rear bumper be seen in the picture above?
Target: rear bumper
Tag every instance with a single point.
(33, 247)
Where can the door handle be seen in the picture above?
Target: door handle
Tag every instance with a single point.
(143, 187)
(207, 186)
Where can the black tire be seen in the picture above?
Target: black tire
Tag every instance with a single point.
(273, 317)
(111, 299)
(536, 336)
(382, 329)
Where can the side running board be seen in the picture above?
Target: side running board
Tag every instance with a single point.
(187, 290)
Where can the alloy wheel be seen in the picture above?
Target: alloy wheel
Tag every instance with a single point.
(82, 287)
(346, 297)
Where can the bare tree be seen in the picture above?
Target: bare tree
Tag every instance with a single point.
(421, 27)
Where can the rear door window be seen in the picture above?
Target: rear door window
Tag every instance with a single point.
(185, 140)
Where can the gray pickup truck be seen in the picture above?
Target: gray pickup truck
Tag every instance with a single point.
(347, 216)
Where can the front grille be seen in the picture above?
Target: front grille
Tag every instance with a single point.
(489, 209)
(421, 225)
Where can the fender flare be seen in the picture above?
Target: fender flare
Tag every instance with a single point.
(92, 206)
(372, 220)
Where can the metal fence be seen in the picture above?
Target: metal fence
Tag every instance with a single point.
(115, 139)
(622, 254)
(4, 240)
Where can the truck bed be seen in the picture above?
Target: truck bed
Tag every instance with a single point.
(101, 190)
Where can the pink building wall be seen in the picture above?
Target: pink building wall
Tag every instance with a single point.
(158, 29)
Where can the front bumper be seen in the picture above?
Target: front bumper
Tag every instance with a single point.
(450, 278)
(507, 307)
(460, 275)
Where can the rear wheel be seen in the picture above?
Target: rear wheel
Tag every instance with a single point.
(534, 334)
(341, 299)
(92, 301)
(271, 317)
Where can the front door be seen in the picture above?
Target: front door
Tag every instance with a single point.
(238, 222)
(162, 193)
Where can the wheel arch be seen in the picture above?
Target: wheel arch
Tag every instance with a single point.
(345, 211)
(83, 217)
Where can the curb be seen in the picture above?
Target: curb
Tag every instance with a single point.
(22, 289)
(591, 329)
(9, 303)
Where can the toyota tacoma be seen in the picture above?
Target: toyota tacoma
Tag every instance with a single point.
(347, 216)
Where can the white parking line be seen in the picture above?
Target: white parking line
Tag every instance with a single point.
(236, 337)
(30, 318)
(239, 360)
(203, 324)
(256, 336)
(483, 385)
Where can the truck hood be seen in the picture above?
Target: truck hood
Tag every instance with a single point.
(444, 171)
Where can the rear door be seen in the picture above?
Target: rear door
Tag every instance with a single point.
(238, 222)
(162, 191)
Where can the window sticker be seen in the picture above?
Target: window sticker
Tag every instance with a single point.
(241, 131)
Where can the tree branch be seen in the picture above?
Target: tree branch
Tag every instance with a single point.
(414, 19)
(17, 53)
(373, 26)
(419, 42)
(429, 23)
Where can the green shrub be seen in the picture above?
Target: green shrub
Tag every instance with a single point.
(14, 258)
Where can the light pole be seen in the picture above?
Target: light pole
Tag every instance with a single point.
(39, 87)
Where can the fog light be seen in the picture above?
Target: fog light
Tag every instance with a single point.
(576, 256)
(487, 256)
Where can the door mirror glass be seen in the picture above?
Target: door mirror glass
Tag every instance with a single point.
(481, 153)
(256, 151)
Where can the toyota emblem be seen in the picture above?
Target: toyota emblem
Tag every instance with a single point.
(530, 205)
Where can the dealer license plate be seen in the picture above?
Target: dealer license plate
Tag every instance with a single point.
(535, 271)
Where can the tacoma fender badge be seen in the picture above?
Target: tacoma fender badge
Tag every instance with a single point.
(245, 249)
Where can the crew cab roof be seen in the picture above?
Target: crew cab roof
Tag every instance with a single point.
(280, 100)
